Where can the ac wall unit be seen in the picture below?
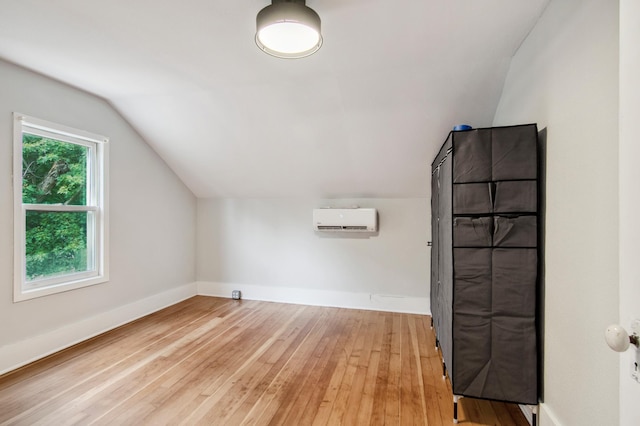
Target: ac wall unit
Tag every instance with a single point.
(345, 220)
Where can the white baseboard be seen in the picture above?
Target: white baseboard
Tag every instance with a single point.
(527, 410)
(332, 298)
(547, 417)
(17, 354)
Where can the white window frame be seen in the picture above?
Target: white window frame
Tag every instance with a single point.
(97, 203)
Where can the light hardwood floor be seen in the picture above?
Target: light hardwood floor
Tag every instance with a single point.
(216, 361)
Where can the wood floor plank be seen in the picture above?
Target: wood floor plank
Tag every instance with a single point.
(282, 366)
(431, 378)
(349, 383)
(211, 361)
(290, 399)
(274, 402)
(234, 363)
(193, 341)
(394, 384)
(341, 353)
(91, 382)
(380, 394)
(117, 384)
(311, 392)
(360, 398)
(97, 354)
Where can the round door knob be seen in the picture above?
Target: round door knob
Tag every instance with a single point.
(618, 339)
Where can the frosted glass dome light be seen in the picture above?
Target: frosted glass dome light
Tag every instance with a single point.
(288, 29)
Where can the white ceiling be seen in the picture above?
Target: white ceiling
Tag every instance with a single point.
(363, 117)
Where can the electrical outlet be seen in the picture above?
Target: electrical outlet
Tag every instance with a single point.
(635, 353)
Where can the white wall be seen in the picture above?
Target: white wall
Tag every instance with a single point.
(629, 199)
(152, 221)
(267, 248)
(565, 78)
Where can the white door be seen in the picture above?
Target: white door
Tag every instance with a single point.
(629, 150)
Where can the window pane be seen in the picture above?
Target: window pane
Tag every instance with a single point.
(56, 243)
(53, 172)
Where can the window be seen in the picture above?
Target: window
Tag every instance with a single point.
(60, 208)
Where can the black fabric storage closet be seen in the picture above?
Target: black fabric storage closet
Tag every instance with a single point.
(484, 262)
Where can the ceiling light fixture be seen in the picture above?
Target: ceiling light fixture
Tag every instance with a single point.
(288, 29)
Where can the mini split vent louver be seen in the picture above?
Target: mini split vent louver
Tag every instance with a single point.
(345, 220)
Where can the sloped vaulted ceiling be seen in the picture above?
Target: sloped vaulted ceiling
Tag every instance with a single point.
(363, 117)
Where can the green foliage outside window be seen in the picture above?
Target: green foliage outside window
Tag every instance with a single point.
(54, 172)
